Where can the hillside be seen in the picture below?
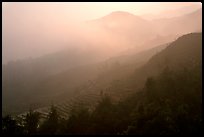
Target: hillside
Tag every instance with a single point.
(20, 78)
(39, 90)
(169, 97)
(168, 103)
(184, 52)
(121, 81)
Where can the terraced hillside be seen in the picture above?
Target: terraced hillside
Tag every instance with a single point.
(66, 106)
(89, 93)
(88, 97)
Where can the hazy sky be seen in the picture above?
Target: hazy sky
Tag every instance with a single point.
(86, 10)
(32, 23)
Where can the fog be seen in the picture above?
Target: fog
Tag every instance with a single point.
(31, 29)
(134, 64)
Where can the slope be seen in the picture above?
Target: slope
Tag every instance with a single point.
(186, 51)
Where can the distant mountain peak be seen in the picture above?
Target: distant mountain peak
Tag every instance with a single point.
(120, 14)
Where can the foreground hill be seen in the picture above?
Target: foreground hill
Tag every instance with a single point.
(121, 81)
(169, 101)
(185, 52)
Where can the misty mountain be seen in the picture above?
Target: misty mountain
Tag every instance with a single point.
(120, 37)
(187, 23)
(184, 52)
(124, 29)
(60, 76)
(116, 74)
(169, 81)
(109, 35)
(127, 31)
(172, 13)
(122, 81)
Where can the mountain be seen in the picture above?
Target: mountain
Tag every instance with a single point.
(21, 84)
(173, 13)
(71, 72)
(120, 81)
(20, 78)
(185, 52)
(187, 23)
(122, 29)
(166, 94)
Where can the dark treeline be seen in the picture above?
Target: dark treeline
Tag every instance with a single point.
(169, 104)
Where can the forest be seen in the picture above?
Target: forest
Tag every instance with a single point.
(169, 104)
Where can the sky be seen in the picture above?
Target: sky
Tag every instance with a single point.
(86, 10)
(29, 26)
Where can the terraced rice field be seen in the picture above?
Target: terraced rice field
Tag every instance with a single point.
(64, 108)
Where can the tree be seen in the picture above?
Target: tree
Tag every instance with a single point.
(79, 121)
(103, 117)
(150, 87)
(10, 126)
(51, 124)
(32, 122)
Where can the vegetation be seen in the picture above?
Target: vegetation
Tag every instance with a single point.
(169, 104)
(50, 125)
(31, 122)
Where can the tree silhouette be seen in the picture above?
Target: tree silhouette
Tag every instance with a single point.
(51, 124)
(32, 122)
(10, 126)
(78, 121)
